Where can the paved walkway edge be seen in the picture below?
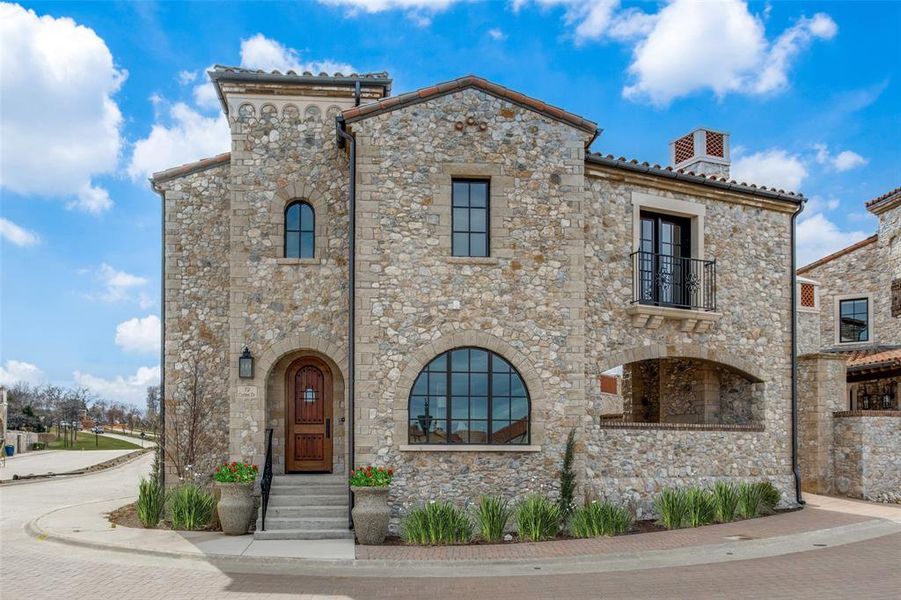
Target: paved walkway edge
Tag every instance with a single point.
(89, 470)
(694, 555)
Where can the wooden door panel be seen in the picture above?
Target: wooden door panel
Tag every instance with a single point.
(309, 406)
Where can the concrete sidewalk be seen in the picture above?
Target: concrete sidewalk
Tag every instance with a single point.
(800, 531)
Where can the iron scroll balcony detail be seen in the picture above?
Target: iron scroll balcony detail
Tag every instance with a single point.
(673, 281)
(266, 480)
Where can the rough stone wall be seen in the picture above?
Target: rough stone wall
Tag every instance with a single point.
(821, 392)
(750, 242)
(867, 462)
(809, 331)
(641, 391)
(281, 154)
(890, 248)
(861, 271)
(197, 304)
(526, 298)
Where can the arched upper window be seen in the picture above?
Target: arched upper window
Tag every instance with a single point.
(469, 396)
(300, 230)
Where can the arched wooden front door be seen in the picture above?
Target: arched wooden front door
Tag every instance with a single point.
(308, 417)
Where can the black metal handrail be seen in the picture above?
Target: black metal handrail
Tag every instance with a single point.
(266, 480)
(674, 281)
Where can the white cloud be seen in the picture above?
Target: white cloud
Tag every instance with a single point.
(189, 136)
(497, 34)
(139, 335)
(260, 52)
(131, 389)
(61, 126)
(17, 371)
(773, 168)
(689, 46)
(19, 236)
(843, 161)
(186, 77)
(419, 11)
(119, 286)
(817, 237)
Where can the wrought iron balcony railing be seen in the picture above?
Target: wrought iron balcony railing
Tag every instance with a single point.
(673, 281)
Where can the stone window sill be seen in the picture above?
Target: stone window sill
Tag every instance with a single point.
(473, 260)
(651, 317)
(866, 413)
(298, 261)
(679, 426)
(467, 448)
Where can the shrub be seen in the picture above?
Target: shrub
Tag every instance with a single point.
(151, 501)
(769, 497)
(236, 473)
(701, 506)
(672, 505)
(725, 499)
(567, 479)
(492, 515)
(191, 507)
(437, 523)
(750, 500)
(370, 477)
(537, 518)
(599, 518)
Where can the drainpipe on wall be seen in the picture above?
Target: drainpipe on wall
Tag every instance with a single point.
(794, 359)
(345, 138)
(161, 435)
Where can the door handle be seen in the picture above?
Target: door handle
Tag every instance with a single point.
(328, 428)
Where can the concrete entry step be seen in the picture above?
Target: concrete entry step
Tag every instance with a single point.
(309, 478)
(308, 488)
(305, 522)
(300, 512)
(304, 534)
(308, 500)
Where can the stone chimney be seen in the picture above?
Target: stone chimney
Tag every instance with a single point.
(703, 151)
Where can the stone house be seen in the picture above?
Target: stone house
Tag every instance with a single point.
(849, 333)
(436, 281)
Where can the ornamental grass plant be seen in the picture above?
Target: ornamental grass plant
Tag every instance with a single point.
(151, 501)
(492, 515)
(725, 501)
(750, 500)
(672, 505)
(769, 497)
(191, 507)
(701, 506)
(597, 518)
(537, 518)
(437, 523)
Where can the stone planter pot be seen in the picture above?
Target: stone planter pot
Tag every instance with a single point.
(236, 507)
(371, 514)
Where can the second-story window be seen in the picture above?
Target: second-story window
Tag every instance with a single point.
(300, 230)
(470, 218)
(854, 320)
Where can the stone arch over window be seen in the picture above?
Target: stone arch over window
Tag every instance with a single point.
(418, 360)
(469, 395)
(300, 230)
(299, 192)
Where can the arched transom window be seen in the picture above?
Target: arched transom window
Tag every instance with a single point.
(300, 230)
(469, 396)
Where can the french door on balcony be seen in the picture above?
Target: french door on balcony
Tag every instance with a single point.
(664, 260)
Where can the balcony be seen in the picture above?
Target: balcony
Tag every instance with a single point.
(673, 288)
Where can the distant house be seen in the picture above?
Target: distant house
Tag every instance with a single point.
(437, 281)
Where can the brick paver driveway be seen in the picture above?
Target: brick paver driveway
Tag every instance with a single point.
(34, 569)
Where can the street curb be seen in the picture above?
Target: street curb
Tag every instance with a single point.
(89, 470)
(613, 562)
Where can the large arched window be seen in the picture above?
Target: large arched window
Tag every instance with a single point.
(300, 230)
(469, 396)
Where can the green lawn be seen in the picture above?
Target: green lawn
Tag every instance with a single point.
(85, 441)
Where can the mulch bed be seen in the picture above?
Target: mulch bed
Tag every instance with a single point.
(127, 516)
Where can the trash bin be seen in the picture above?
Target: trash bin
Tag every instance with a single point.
(10, 449)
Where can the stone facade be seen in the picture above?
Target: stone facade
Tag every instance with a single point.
(821, 392)
(867, 461)
(552, 298)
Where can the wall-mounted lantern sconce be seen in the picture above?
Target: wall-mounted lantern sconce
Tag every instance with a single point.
(245, 364)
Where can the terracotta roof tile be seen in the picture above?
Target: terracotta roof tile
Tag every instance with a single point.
(891, 358)
(192, 167)
(883, 198)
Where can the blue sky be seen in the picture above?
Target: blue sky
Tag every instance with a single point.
(97, 95)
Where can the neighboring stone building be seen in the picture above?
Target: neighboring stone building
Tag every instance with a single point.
(849, 331)
(498, 270)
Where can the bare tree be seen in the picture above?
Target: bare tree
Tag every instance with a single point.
(191, 447)
(152, 412)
